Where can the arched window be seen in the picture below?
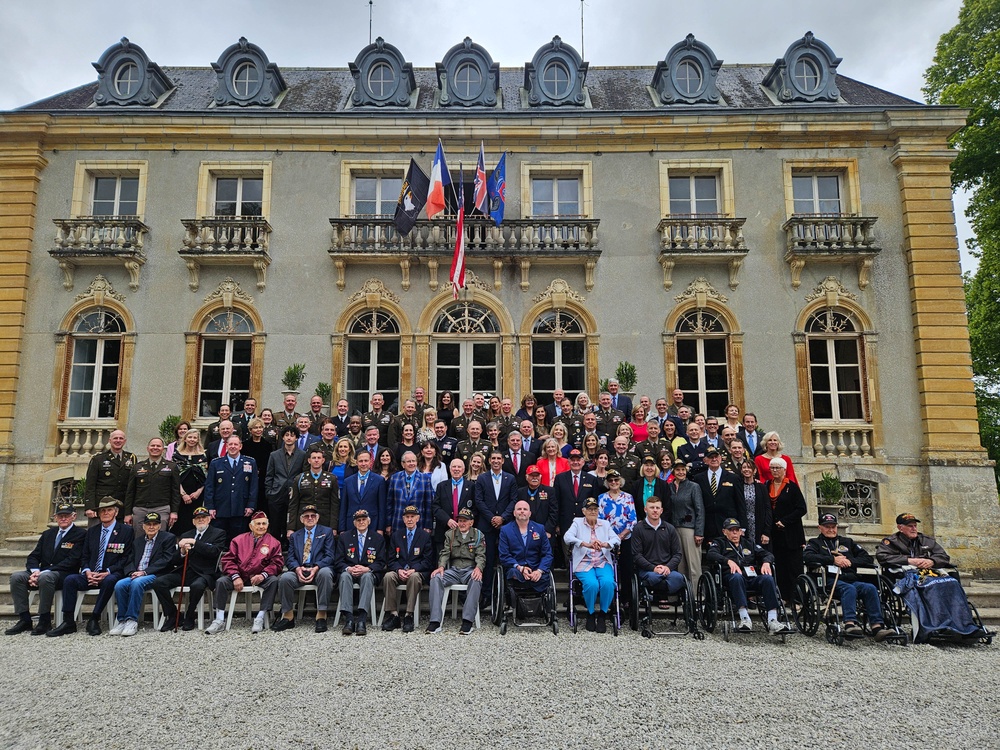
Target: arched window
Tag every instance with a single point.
(836, 368)
(703, 361)
(226, 357)
(806, 74)
(381, 80)
(373, 358)
(95, 367)
(246, 79)
(466, 349)
(558, 355)
(127, 80)
(689, 77)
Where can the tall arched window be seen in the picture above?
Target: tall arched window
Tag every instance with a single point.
(466, 349)
(558, 355)
(836, 367)
(95, 365)
(373, 358)
(226, 357)
(703, 361)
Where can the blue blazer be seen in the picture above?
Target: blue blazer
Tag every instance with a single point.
(421, 494)
(488, 504)
(321, 553)
(373, 501)
(160, 561)
(420, 558)
(119, 550)
(536, 554)
(229, 490)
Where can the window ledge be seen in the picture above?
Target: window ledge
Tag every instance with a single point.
(82, 438)
(842, 439)
(699, 239)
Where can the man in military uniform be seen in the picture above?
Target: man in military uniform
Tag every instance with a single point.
(507, 421)
(460, 423)
(693, 451)
(462, 561)
(316, 488)
(626, 462)
(571, 420)
(479, 407)
(154, 486)
(474, 443)
(58, 553)
(231, 489)
(287, 417)
(327, 441)
(407, 415)
(608, 418)
(378, 417)
(653, 445)
(446, 444)
(107, 475)
(746, 566)
(342, 418)
(677, 403)
(591, 427)
(910, 547)
(544, 506)
(316, 415)
(360, 559)
(355, 431)
(420, 400)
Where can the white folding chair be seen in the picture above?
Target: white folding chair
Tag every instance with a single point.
(159, 618)
(371, 606)
(302, 591)
(109, 610)
(416, 607)
(247, 592)
(33, 595)
(456, 587)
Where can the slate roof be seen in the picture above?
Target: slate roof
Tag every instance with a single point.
(328, 91)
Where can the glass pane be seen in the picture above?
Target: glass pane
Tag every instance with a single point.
(241, 351)
(822, 406)
(848, 379)
(715, 350)
(820, 378)
(484, 379)
(253, 189)
(79, 405)
(212, 378)
(365, 195)
(687, 380)
(573, 378)
(680, 190)
(82, 378)
(484, 355)
(687, 350)
(543, 352)
(802, 194)
(239, 379)
(845, 351)
(104, 188)
(573, 352)
(391, 186)
(386, 379)
(106, 405)
(543, 378)
(84, 351)
(716, 378)
(388, 351)
(541, 197)
(817, 352)
(715, 404)
(109, 378)
(850, 406)
(705, 195)
(828, 187)
(449, 355)
(449, 380)
(213, 351)
(225, 196)
(357, 378)
(210, 402)
(358, 352)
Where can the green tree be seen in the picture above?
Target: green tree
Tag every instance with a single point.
(966, 73)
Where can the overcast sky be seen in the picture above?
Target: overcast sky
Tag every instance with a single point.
(48, 46)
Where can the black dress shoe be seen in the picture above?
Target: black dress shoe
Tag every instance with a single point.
(348, 625)
(22, 626)
(68, 626)
(408, 624)
(360, 626)
(321, 625)
(591, 625)
(602, 622)
(189, 624)
(391, 623)
(93, 627)
(282, 624)
(44, 626)
(168, 626)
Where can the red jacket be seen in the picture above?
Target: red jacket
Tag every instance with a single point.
(248, 556)
(543, 465)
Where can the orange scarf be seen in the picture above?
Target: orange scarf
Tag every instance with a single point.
(775, 492)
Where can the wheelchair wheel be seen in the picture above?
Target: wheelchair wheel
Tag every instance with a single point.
(805, 607)
(503, 628)
(498, 599)
(893, 607)
(633, 608)
(551, 605)
(707, 602)
(690, 607)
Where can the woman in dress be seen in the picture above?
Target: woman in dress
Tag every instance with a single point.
(561, 436)
(551, 462)
(527, 410)
(540, 422)
(671, 436)
(179, 432)
(618, 509)
(446, 410)
(493, 435)
(407, 442)
(602, 459)
(426, 432)
(476, 465)
(787, 535)
(591, 444)
(665, 460)
(757, 503)
(732, 412)
(192, 463)
(638, 424)
(259, 448)
(773, 448)
(342, 465)
(583, 404)
(429, 462)
(385, 464)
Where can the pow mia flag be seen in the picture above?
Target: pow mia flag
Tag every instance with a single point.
(412, 198)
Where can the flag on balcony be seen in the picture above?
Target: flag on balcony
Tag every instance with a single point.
(440, 177)
(497, 186)
(457, 275)
(480, 194)
(411, 198)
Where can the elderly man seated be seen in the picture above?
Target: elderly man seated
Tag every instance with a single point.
(360, 559)
(746, 566)
(152, 556)
(592, 539)
(309, 561)
(254, 558)
(410, 561)
(462, 562)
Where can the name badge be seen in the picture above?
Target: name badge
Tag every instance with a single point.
(832, 569)
(751, 573)
(66, 545)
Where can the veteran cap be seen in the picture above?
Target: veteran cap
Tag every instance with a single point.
(411, 510)
(309, 509)
(533, 469)
(905, 519)
(64, 509)
(591, 503)
(362, 513)
(466, 514)
(258, 514)
(712, 451)
(575, 453)
(613, 474)
(731, 523)
(108, 502)
(649, 460)
(151, 518)
(201, 512)
(828, 519)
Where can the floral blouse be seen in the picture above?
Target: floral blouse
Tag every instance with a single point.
(619, 513)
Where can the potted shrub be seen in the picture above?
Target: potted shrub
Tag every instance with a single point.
(324, 391)
(627, 378)
(293, 377)
(831, 492)
(167, 427)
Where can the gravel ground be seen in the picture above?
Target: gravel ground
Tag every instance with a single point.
(527, 689)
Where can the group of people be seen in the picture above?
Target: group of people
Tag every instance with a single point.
(428, 498)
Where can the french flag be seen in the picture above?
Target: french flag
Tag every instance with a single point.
(439, 178)
(481, 194)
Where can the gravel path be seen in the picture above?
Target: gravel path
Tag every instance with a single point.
(301, 690)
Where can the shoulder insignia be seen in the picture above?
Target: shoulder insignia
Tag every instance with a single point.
(887, 541)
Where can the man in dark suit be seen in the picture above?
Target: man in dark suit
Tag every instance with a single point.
(516, 459)
(525, 550)
(152, 554)
(283, 465)
(752, 438)
(554, 409)
(107, 549)
(722, 494)
(541, 500)
(231, 489)
(620, 401)
(496, 493)
(57, 554)
(308, 563)
(366, 491)
(371, 445)
(217, 448)
(449, 498)
(410, 562)
(529, 442)
(342, 418)
(241, 420)
(360, 560)
(304, 437)
(202, 547)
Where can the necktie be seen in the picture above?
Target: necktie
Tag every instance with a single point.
(514, 459)
(371, 449)
(361, 484)
(715, 482)
(576, 484)
(232, 463)
(454, 499)
(59, 538)
(614, 403)
(105, 535)
(361, 546)
(409, 541)
(222, 449)
(751, 441)
(197, 537)
(307, 549)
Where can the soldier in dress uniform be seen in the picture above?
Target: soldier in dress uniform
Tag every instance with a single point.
(107, 474)
(317, 488)
(154, 486)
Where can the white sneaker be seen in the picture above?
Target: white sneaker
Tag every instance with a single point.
(131, 628)
(215, 627)
(745, 626)
(118, 629)
(258, 623)
(777, 628)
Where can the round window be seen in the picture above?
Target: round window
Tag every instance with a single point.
(246, 80)
(555, 80)
(127, 80)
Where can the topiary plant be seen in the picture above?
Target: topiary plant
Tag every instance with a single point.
(324, 391)
(167, 427)
(627, 376)
(294, 375)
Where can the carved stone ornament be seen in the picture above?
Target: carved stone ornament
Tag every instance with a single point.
(373, 291)
(832, 290)
(229, 290)
(559, 291)
(100, 289)
(471, 280)
(700, 290)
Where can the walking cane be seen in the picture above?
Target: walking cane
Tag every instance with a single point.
(830, 598)
(180, 594)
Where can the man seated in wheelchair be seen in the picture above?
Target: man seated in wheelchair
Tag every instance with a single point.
(656, 551)
(526, 556)
(746, 566)
(844, 555)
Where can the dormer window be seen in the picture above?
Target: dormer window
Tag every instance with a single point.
(555, 79)
(468, 77)
(246, 77)
(125, 76)
(382, 77)
(687, 75)
(807, 73)
(556, 76)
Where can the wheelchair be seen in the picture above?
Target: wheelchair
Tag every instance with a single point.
(681, 608)
(514, 603)
(894, 602)
(813, 606)
(576, 590)
(716, 606)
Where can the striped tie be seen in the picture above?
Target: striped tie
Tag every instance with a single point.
(715, 483)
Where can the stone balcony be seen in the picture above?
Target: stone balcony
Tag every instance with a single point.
(226, 241)
(698, 239)
(840, 440)
(100, 241)
(82, 438)
(830, 238)
(524, 242)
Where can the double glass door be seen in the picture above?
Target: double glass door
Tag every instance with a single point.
(465, 367)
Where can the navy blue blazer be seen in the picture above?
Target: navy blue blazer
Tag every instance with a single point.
(444, 504)
(228, 490)
(536, 554)
(372, 556)
(419, 558)
(320, 554)
(118, 553)
(66, 559)
(488, 504)
(161, 559)
(373, 500)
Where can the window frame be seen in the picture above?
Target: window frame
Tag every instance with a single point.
(582, 171)
(701, 393)
(209, 172)
(351, 169)
(559, 365)
(375, 341)
(85, 181)
(832, 368)
(227, 365)
(846, 169)
(97, 365)
(721, 169)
